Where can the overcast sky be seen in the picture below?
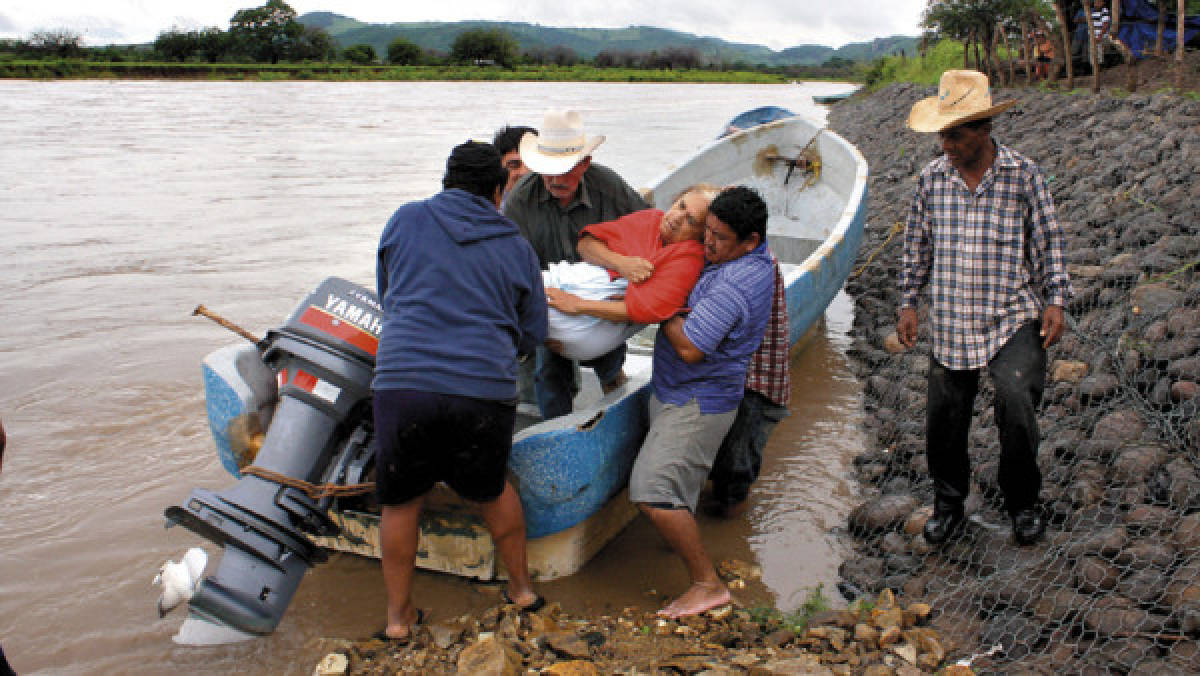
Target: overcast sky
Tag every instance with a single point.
(775, 23)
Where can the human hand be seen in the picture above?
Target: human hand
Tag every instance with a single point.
(635, 269)
(554, 346)
(1053, 324)
(906, 326)
(566, 303)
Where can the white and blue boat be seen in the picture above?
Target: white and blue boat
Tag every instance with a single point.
(570, 472)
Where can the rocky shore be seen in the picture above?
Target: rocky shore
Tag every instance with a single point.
(1116, 584)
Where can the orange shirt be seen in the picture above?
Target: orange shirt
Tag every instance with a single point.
(676, 266)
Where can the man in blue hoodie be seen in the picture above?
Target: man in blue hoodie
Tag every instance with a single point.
(699, 377)
(462, 297)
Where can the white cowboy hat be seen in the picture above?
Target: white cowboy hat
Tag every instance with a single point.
(559, 145)
(963, 96)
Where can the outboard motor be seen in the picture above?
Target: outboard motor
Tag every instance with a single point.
(320, 432)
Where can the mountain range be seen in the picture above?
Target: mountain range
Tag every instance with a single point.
(587, 42)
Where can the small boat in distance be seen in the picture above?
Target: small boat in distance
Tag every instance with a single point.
(291, 412)
(830, 99)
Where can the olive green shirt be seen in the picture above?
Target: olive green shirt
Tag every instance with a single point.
(554, 230)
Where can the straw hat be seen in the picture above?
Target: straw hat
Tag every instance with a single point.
(559, 144)
(963, 96)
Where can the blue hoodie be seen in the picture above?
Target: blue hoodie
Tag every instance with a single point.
(462, 297)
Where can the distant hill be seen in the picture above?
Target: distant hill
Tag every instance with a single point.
(587, 42)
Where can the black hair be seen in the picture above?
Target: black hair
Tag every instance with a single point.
(508, 139)
(977, 124)
(475, 167)
(743, 210)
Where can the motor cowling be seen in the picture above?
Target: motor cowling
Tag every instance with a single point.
(320, 432)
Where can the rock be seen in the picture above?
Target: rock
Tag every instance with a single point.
(1062, 371)
(1137, 463)
(867, 635)
(1095, 575)
(1148, 519)
(805, 664)
(572, 668)
(333, 664)
(1154, 300)
(1184, 390)
(567, 644)
(886, 512)
(1097, 387)
(446, 634)
(1186, 533)
(781, 637)
(1144, 554)
(1120, 425)
(893, 345)
(489, 657)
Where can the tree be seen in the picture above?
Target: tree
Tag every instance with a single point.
(175, 45)
(480, 44)
(62, 43)
(266, 33)
(314, 44)
(361, 54)
(402, 52)
(213, 43)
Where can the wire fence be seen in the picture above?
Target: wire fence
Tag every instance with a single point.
(1114, 587)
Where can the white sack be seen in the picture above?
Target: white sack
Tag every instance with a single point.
(583, 336)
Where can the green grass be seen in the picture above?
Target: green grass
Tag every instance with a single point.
(68, 68)
(925, 70)
(795, 621)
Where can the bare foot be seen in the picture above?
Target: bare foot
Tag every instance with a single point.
(698, 598)
(402, 626)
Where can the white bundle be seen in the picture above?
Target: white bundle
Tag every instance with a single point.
(583, 336)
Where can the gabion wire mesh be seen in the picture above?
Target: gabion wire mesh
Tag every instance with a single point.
(1114, 587)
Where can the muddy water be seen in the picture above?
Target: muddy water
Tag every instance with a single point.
(124, 204)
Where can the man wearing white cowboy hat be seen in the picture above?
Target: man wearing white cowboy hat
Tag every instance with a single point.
(983, 234)
(564, 193)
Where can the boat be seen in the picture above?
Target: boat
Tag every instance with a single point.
(290, 413)
(830, 99)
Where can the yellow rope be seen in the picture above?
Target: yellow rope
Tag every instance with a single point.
(314, 491)
(897, 228)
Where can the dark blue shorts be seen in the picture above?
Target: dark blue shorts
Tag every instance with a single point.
(425, 437)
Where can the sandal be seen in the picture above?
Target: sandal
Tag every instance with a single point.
(537, 604)
(381, 635)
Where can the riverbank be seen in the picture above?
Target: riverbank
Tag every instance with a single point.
(80, 69)
(1116, 583)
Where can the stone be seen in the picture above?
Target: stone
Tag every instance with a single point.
(445, 634)
(1184, 390)
(804, 664)
(1097, 387)
(1186, 533)
(893, 345)
(1120, 425)
(886, 512)
(333, 664)
(572, 668)
(1155, 300)
(1095, 575)
(489, 657)
(907, 651)
(1136, 463)
(567, 644)
(1063, 371)
(867, 635)
(781, 637)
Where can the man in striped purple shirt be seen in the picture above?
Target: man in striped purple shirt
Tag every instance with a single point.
(982, 234)
(698, 381)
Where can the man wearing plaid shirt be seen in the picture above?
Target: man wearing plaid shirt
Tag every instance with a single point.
(764, 404)
(982, 233)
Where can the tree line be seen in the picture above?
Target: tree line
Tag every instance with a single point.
(272, 34)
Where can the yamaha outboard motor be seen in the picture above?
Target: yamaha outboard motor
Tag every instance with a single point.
(320, 432)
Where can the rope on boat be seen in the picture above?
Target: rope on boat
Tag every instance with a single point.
(205, 312)
(896, 229)
(314, 491)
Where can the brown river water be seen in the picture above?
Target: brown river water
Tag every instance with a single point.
(125, 204)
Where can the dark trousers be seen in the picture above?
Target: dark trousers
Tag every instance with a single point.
(1018, 374)
(740, 457)
(554, 379)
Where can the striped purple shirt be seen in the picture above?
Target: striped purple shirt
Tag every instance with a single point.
(730, 306)
(992, 259)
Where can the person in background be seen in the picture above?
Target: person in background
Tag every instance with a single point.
(507, 140)
(698, 380)
(983, 235)
(567, 193)
(462, 297)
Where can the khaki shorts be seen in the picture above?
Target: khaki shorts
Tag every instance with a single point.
(677, 454)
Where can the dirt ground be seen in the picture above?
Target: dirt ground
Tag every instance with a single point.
(1153, 74)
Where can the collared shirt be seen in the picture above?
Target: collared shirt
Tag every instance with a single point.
(554, 230)
(730, 306)
(769, 373)
(993, 258)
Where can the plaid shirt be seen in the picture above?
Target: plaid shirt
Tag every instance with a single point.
(768, 371)
(992, 259)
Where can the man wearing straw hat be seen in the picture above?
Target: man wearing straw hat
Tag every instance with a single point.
(565, 193)
(983, 234)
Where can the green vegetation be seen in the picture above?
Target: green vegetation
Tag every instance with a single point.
(923, 69)
(771, 618)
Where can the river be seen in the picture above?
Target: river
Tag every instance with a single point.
(126, 203)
